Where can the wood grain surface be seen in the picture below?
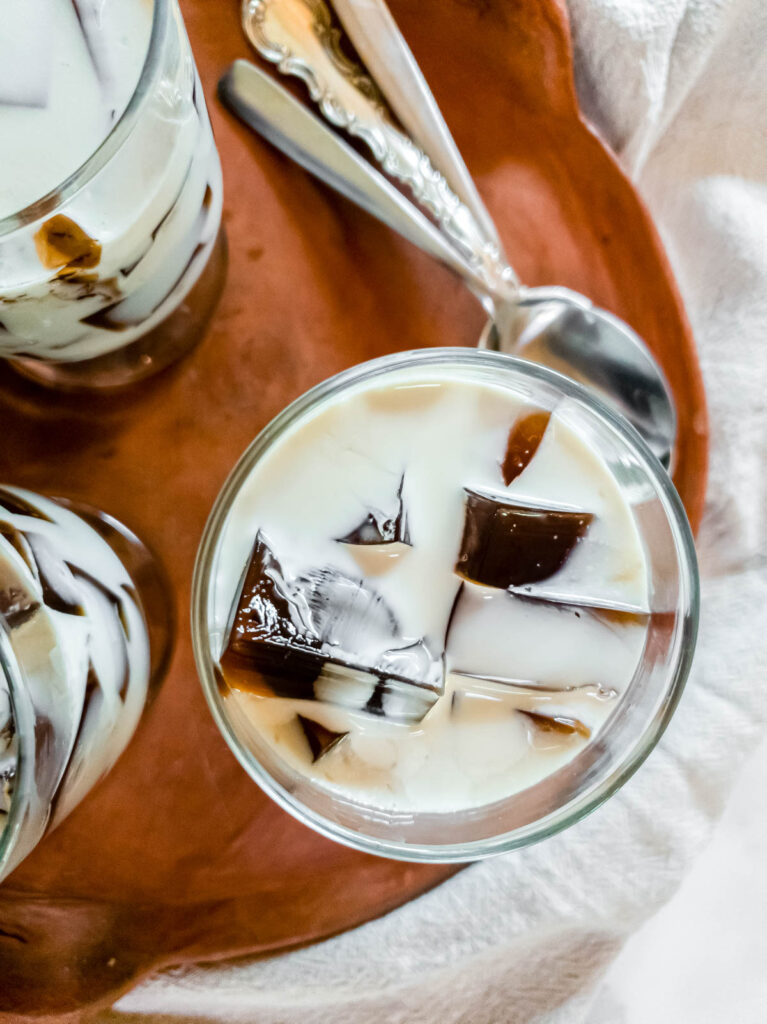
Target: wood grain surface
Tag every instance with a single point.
(177, 855)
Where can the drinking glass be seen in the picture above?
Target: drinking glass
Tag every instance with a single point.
(622, 743)
(85, 634)
(116, 272)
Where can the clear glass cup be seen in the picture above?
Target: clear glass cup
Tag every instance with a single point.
(620, 746)
(86, 626)
(116, 272)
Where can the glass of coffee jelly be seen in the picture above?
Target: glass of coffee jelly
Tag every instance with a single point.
(111, 254)
(85, 632)
(444, 605)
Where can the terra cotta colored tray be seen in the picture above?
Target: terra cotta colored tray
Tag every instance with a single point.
(177, 855)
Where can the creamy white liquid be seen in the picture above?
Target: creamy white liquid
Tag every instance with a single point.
(154, 208)
(440, 435)
(68, 89)
(87, 671)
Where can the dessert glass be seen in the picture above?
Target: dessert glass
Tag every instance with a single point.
(85, 634)
(620, 746)
(116, 272)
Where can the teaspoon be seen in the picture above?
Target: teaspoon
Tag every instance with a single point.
(554, 326)
(291, 127)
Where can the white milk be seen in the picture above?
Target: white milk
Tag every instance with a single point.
(74, 88)
(513, 661)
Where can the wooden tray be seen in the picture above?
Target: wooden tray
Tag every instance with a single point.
(178, 856)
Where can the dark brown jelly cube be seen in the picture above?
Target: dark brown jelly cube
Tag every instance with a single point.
(297, 639)
(272, 670)
(563, 725)
(61, 242)
(269, 651)
(321, 740)
(507, 544)
(524, 438)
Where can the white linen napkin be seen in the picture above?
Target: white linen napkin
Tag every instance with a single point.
(679, 89)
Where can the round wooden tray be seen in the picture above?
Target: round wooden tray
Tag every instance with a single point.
(177, 855)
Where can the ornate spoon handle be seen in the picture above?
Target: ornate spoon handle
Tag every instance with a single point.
(270, 110)
(299, 38)
(389, 60)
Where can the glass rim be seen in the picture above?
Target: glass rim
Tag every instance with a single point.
(578, 806)
(111, 143)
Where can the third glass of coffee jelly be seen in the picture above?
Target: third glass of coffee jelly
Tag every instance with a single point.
(111, 254)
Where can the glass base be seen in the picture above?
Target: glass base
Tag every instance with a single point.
(154, 589)
(169, 341)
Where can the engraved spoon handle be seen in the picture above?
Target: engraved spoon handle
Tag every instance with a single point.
(390, 61)
(268, 108)
(298, 37)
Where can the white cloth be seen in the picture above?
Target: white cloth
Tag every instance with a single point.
(703, 957)
(678, 88)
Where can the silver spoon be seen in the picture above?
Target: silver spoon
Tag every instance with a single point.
(268, 108)
(552, 325)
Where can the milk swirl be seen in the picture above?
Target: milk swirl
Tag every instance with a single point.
(80, 648)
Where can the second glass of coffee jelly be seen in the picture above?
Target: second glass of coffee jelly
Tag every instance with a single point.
(111, 252)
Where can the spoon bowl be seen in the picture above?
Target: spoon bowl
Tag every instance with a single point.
(561, 329)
